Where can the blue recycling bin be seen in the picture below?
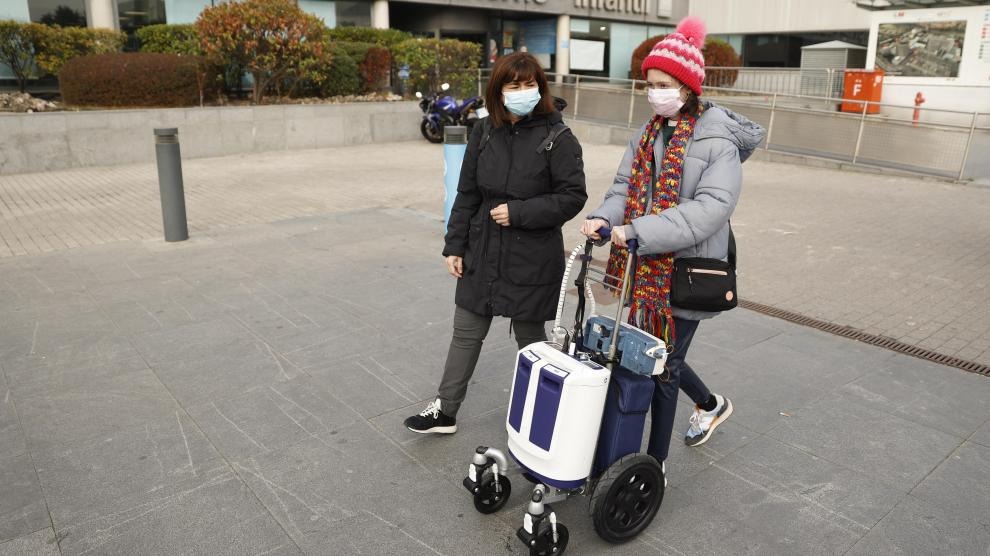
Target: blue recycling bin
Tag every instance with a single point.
(454, 147)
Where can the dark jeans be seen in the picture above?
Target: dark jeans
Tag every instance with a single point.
(470, 330)
(681, 376)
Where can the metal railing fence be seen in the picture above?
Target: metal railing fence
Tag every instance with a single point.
(941, 142)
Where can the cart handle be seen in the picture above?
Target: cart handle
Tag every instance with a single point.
(606, 234)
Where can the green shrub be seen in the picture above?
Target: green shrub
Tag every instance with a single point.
(342, 77)
(140, 79)
(169, 39)
(374, 63)
(17, 51)
(382, 37)
(272, 39)
(57, 45)
(432, 62)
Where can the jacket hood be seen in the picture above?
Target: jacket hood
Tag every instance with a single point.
(718, 121)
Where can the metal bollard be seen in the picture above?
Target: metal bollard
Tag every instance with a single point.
(170, 184)
(455, 141)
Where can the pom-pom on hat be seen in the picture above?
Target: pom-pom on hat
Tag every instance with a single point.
(679, 54)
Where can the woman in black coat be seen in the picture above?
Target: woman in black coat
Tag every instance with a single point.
(521, 180)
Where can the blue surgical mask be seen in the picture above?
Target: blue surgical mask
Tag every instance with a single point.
(522, 102)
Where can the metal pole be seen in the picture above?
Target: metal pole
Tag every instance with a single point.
(577, 93)
(479, 83)
(170, 184)
(455, 140)
(831, 83)
(862, 125)
(969, 145)
(632, 102)
(773, 108)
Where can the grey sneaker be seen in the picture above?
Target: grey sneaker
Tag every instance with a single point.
(703, 423)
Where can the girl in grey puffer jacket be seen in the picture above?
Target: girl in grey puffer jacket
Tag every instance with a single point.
(674, 192)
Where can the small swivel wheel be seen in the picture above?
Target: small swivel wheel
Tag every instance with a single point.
(545, 545)
(627, 497)
(489, 496)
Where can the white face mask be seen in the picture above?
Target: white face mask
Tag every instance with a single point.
(665, 102)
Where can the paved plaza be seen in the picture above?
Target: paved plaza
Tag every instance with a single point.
(243, 392)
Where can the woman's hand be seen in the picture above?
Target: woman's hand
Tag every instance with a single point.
(590, 227)
(455, 266)
(619, 236)
(500, 214)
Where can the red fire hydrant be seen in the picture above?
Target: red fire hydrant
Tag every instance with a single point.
(919, 99)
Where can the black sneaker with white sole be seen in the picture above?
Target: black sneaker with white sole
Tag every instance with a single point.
(432, 420)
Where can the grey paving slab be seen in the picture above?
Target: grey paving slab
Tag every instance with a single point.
(68, 375)
(272, 418)
(11, 437)
(216, 338)
(958, 486)
(899, 452)
(947, 399)
(332, 480)
(97, 409)
(219, 516)
(851, 498)
(915, 527)
(23, 363)
(38, 543)
(369, 389)
(129, 471)
(22, 504)
(982, 436)
(779, 522)
(198, 381)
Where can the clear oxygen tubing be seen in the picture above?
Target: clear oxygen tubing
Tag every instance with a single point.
(563, 287)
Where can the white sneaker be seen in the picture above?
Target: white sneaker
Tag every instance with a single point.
(703, 423)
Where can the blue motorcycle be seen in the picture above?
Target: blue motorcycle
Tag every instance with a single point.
(440, 110)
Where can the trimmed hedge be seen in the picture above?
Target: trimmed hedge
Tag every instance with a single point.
(432, 62)
(58, 45)
(374, 63)
(169, 39)
(136, 79)
(387, 38)
(342, 76)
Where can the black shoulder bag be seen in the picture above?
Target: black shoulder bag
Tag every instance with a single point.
(700, 284)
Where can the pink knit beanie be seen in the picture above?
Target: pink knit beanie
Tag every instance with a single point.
(679, 54)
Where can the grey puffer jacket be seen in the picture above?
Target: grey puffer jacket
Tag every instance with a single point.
(699, 225)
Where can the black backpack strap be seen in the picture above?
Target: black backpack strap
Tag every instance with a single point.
(555, 131)
(486, 133)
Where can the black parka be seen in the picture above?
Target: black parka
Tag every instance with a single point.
(515, 271)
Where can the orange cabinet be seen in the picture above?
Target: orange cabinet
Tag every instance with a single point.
(862, 85)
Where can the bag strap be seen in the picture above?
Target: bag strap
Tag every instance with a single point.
(486, 133)
(732, 247)
(555, 132)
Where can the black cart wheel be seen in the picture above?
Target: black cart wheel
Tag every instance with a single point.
(627, 498)
(545, 545)
(432, 134)
(486, 500)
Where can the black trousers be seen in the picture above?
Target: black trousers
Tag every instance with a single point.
(680, 376)
(470, 330)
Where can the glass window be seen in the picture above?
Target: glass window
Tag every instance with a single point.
(353, 14)
(134, 14)
(185, 11)
(323, 9)
(67, 13)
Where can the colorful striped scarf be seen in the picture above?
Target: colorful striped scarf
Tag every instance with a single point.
(650, 309)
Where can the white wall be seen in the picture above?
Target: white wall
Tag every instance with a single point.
(14, 9)
(780, 16)
(970, 91)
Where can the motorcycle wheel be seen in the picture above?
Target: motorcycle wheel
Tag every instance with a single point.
(432, 134)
